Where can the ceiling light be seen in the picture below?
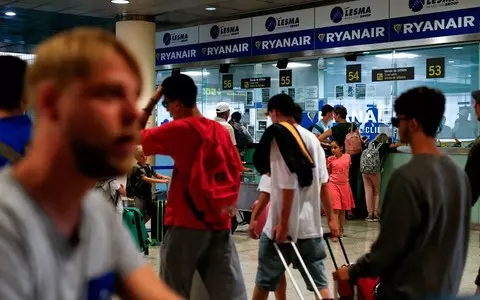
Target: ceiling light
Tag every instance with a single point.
(331, 63)
(210, 8)
(120, 1)
(397, 55)
(457, 48)
(296, 65)
(469, 75)
(451, 61)
(195, 73)
(366, 52)
(10, 14)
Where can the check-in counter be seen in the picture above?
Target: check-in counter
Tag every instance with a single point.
(248, 191)
(394, 160)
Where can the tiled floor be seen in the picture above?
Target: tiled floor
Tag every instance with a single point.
(359, 236)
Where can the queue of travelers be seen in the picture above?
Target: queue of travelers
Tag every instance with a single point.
(60, 239)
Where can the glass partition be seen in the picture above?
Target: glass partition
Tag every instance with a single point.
(369, 101)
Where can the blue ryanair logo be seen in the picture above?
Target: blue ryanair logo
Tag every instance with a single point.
(336, 15)
(167, 38)
(270, 24)
(416, 5)
(214, 31)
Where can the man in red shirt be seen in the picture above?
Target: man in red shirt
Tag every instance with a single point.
(190, 245)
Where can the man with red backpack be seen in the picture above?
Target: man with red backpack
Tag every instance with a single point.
(202, 196)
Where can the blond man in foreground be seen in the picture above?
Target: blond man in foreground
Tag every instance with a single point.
(58, 240)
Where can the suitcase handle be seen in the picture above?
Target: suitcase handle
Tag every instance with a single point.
(327, 236)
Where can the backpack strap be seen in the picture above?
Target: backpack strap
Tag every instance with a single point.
(379, 145)
(299, 140)
(9, 153)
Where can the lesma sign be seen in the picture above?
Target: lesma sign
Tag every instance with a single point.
(352, 23)
(286, 32)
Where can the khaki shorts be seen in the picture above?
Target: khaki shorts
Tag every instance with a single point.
(211, 253)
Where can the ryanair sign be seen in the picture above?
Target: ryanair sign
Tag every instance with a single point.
(176, 55)
(284, 42)
(459, 22)
(226, 49)
(351, 35)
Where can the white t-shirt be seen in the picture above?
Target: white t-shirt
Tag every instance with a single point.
(228, 127)
(305, 218)
(265, 184)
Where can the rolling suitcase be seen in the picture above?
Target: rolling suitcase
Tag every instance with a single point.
(133, 220)
(289, 272)
(364, 289)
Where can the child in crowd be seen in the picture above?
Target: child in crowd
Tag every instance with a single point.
(338, 184)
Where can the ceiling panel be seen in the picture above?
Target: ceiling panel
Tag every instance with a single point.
(167, 12)
(246, 6)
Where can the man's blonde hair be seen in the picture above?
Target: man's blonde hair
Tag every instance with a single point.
(74, 54)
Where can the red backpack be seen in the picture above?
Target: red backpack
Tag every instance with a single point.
(353, 142)
(214, 182)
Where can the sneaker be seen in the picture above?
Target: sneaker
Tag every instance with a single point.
(376, 219)
(369, 218)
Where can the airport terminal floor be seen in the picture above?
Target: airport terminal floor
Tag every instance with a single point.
(359, 235)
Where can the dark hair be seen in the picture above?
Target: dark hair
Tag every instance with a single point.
(283, 103)
(424, 104)
(236, 116)
(326, 109)
(12, 82)
(341, 111)
(180, 87)
(298, 113)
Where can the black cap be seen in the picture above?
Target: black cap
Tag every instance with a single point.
(476, 95)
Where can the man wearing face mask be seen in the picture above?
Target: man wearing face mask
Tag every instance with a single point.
(473, 167)
(427, 204)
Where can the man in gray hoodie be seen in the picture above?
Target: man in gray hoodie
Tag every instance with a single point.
(473, 167)
(424, 229)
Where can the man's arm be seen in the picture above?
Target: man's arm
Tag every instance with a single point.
(154, 180)
(148, 109)
(324, 136)
(161, 139)
(401, 217)
(472, 168)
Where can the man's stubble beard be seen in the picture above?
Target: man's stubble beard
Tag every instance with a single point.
(93, 162)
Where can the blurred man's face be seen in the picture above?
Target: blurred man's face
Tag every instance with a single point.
(172, 106)
(404, 132)
(476, 106)
(98, 118)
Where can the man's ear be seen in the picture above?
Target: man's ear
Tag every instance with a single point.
(47, 100)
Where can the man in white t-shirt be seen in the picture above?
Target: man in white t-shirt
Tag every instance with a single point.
(294, 212)
(223, 113)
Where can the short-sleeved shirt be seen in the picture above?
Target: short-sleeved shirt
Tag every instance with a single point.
(38, 262)
(305, 218)
(143, 190)
(15, 132)
(265, 184)
(340, 131)
(322, 126)
(229, 127)
(178, 140)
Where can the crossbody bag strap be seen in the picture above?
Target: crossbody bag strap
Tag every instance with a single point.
(9, 153)
(300, 141)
